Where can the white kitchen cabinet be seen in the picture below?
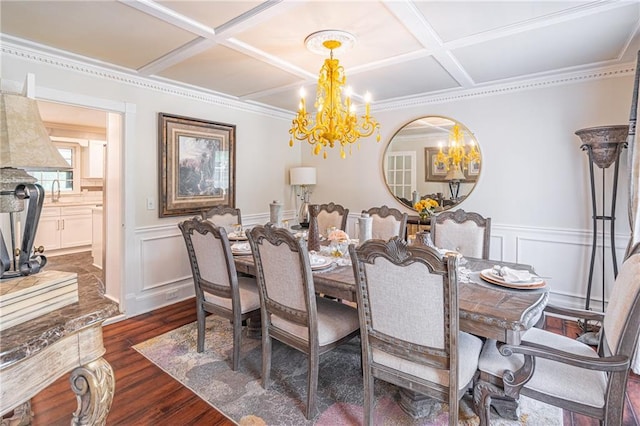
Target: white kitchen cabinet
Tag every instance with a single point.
(93, 159)
(64, 227)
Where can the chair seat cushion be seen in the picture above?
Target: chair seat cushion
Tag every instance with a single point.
(551, 377)
(249, 296)
(335, 321)
(469, 348)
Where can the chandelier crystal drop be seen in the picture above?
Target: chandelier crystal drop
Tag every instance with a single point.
(459, 155)
(336, 121)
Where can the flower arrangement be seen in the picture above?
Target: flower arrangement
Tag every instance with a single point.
(425, 207)
(338, 235)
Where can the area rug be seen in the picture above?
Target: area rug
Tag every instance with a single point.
(240, 396)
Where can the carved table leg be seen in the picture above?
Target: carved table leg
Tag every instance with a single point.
(22, 416)
(418, 405)
(93, 385)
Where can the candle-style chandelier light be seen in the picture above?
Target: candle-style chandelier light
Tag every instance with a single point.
(335, 121)
(459, 154)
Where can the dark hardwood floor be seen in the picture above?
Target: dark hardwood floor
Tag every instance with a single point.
(145, 395)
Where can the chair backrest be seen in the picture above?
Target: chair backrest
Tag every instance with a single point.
(212, 264)
(622, 315)
(467, 233)
(399, 286)
(224, 216)
(387, 222)
(283, 272)
(332, 215)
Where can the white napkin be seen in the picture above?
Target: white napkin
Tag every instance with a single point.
(240, 247)
(316, 260)
(513, 275)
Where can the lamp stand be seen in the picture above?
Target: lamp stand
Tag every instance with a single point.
(27, 263)
(454, 188)
(303, 213)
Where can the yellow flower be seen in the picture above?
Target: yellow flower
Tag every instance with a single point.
(425, 206)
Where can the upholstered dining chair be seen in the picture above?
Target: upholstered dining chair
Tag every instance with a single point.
(408, 304)
(332, 215)
(219, 289)
(291, 311)
(223, 216)
(387, 222)
(467, 233)
(564, 372)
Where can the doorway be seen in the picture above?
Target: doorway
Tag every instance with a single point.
(96, 136)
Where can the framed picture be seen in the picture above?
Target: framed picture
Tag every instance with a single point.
(197, 165)
(437, 172)
(434, 171)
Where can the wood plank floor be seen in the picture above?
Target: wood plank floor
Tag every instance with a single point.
(145, 395)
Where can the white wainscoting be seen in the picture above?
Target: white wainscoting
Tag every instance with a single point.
(563, 255)
(164, 275)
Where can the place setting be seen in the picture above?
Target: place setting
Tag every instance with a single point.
(512, 278)
(240, 249)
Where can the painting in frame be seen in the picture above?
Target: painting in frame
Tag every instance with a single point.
(437, 172)
(197, 165)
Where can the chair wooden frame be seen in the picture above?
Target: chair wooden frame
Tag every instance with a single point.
(231, 291)
(332, 207)
(385, 211)
(399, 253)
(223, 211)
(616, 364)
(308, 318)
(460, 216)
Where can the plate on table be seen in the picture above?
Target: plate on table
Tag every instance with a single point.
(490, 276)
(235, 237)
(318, 262)
(240, 249)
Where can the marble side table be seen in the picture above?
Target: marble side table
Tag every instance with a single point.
(37, 352)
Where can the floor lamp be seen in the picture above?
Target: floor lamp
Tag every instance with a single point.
(603, 146)
(24, 144)
(303, 179)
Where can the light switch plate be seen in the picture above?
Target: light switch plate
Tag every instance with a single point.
(151, 203)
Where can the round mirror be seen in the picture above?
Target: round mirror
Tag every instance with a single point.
(432, 157)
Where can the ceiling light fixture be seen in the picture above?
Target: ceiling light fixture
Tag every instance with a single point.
(458, 155)
(335, 121)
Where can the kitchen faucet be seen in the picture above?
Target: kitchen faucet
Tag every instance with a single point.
(55, 197)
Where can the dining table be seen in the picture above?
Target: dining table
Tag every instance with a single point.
(485, 309)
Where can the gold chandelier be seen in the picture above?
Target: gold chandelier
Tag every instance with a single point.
(458, 155)
(335, 121)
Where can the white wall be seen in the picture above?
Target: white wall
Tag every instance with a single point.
(534, 182)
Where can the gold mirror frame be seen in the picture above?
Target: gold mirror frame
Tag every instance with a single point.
(414, 147)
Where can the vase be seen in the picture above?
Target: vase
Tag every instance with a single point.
(424, 217)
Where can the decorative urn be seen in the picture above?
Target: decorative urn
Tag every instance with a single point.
(605, 142)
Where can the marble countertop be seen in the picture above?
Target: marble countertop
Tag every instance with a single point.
(27, 339)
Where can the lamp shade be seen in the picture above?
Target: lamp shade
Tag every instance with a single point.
(24, 142)
(302, 176)
(455, 174)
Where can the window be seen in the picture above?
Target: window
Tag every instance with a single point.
(66, 178)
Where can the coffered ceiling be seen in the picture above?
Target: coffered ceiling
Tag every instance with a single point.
(254, 51)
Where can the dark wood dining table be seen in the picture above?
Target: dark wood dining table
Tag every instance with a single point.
(486, 309)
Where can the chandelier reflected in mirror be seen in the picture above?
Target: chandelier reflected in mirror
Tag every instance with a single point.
(459, 155)
(336, 121)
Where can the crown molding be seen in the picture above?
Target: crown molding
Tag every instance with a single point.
(34, 52)
(621, 70)
(38, 53)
